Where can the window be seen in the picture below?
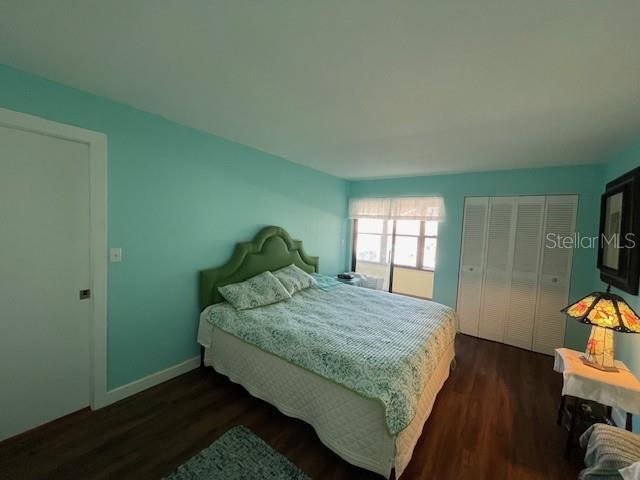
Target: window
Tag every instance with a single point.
(370, 236)
(413, 242)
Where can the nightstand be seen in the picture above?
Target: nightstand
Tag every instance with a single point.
(588, 385)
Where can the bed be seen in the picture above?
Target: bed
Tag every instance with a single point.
(362, 367)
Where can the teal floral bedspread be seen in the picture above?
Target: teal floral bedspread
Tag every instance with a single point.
(379, 345)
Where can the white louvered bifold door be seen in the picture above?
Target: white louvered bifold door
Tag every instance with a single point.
(519, 320)
(497, 270)
(555, 273)
(471, 263)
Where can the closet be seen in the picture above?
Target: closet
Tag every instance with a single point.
(515, 269)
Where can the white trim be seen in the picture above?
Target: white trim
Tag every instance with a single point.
(152, 380)
(97, 143)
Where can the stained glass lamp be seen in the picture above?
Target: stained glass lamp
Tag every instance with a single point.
(607, 313)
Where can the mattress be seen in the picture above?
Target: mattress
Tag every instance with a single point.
(379, 345)
(349, 424)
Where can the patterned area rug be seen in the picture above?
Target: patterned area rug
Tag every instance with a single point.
(238, 454)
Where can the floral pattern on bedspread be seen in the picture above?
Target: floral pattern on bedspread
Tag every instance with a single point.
(380, 345)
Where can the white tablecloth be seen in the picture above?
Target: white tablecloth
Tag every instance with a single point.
(615, 389)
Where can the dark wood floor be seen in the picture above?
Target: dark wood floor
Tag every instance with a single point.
(494, 419)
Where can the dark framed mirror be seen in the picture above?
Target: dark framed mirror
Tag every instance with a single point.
(618, 246)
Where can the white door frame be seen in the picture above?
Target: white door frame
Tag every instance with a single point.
(97, 143)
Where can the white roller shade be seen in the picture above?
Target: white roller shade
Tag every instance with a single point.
(401, 208)
(369, 208)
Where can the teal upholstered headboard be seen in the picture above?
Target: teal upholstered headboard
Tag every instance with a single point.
(271, 249)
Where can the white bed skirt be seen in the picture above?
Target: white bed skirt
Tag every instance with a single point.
(351, 425)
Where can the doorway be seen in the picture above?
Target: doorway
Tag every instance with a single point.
(52, 271)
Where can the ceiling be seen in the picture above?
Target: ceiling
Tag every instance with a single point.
(357, 88)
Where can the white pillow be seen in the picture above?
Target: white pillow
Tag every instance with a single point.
(632, 472)
(263, 289)
(294, 278)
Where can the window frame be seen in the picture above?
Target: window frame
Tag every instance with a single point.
(383, 244)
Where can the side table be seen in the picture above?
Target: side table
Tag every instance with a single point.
(611, 389)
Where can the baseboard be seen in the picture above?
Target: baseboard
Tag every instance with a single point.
(152, 380)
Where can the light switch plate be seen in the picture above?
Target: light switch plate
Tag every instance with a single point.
(115, 255)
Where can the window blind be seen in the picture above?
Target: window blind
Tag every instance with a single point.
(398, 208)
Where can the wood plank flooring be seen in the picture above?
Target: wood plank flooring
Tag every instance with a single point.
(494, 419)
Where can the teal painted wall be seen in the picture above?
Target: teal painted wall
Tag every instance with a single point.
(627, 345)
(586, 181)
(179, 199)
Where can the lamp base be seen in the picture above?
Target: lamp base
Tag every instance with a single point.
(591, 364)
(600, 350)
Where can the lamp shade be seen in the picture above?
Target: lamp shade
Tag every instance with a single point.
(607, 310)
